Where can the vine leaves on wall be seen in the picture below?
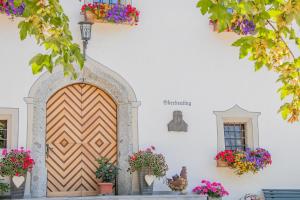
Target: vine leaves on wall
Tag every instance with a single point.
(273, 45)
(46, 21)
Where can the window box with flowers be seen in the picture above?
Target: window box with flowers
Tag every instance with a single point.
(244, 161)
(12, 8)
(118, 13)
(149, 165)
(15, 164)
(240, 25)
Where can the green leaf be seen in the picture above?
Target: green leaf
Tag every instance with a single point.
(284, 110)
(275, 13)
(17, 3)
(298, 19)
(204, 6)
(258, 65)
(24, 28)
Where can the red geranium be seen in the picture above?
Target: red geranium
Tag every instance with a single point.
(226, 156)
(16, 162)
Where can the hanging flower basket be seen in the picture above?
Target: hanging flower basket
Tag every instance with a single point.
(111, 13)
(240, 25)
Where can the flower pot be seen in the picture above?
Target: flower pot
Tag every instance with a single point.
(214, 198)
(17, 187)
(221, 163)
(105, 188)
(90, 16)
(145, 189)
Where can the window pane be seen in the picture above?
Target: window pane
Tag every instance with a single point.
(227, 134)
(237, 134)
(234, 136)
(106, 1)
(227, 142)
(238, 142)
(3, 133)
(3, 124)
(237, 128)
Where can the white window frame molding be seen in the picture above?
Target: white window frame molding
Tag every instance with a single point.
(12, 117)
(236, 114)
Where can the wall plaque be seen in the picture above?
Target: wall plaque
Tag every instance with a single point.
(178, 124)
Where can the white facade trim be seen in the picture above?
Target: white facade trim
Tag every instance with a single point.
(236, 114)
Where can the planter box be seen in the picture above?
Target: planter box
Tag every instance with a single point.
(89, 16)
(145, 189)
(221, 163)
(17, 192)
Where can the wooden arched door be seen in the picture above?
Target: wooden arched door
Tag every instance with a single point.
(81, 127)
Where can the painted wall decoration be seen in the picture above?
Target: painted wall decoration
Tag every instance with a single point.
(178, 124)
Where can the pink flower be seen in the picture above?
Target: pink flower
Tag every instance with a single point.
(211, 188)
(4, 152)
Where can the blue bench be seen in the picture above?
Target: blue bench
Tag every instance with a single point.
(281, 194)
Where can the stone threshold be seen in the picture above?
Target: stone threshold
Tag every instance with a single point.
(131, 197)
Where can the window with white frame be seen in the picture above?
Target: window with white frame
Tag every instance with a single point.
(235, 136)
(3, 134)
(237, 129)
(9, 128)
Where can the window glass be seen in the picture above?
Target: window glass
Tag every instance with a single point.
(3, 134)
(107, 1)
(234, 134)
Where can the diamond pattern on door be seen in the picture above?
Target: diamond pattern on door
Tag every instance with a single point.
(81, 127)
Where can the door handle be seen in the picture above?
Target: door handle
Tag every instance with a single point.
(48, 148)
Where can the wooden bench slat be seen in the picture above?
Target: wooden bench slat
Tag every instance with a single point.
(281, 194)
(280, 190)
(280, 198)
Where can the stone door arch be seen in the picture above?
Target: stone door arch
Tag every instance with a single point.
(114, 85)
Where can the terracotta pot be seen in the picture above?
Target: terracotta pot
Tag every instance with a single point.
(89, 16)
(105, 188)
(221, 163)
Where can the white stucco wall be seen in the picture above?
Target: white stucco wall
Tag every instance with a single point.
(172, 54)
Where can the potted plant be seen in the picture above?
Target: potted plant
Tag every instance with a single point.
(149, 166)
(106, 173)
(244, 161)
(15, 164)
(214, 190)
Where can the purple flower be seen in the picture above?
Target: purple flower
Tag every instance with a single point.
(260, 158)
(10, 9)
(118, 14)
(244, 26)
